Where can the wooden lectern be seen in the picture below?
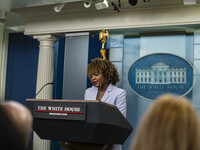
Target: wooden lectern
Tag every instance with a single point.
(86, 122)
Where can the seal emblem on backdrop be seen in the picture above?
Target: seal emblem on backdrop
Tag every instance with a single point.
(160, 73)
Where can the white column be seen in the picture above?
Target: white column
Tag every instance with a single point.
(196, 66)
(44, 75)
(3, 55)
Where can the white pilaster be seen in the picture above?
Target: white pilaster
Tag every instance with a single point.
(196, 63)
(3, 55)
(44, 76)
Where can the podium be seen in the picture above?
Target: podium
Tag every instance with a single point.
(83, 121)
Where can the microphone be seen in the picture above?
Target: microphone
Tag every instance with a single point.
(42, 88)
(99, 90)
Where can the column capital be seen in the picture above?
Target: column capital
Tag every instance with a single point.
(45, 37)
(46, 40)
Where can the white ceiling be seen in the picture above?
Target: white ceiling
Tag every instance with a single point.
(6, 5)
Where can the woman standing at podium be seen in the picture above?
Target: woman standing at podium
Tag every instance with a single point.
(104, 76)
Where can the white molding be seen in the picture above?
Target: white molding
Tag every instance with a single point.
(77, 34)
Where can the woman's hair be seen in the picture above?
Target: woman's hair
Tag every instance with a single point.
(171, 123)
(105, 67)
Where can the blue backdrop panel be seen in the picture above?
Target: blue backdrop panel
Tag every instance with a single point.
(94, 51)
(21, 67)
(58, 67)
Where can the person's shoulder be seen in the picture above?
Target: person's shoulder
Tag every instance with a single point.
(120, 90)
(90, 89)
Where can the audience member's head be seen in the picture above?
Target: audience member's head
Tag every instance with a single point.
(171, 123)
(15, 126)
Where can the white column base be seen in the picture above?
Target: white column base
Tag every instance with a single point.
(39, 144)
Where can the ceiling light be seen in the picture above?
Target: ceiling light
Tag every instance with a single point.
(189, 2)
(101, 5)
(133, 2)
(115, 7)
(87, 3)
(58, 8)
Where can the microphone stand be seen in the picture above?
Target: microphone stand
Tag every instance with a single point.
(99, 90)
(42, 88)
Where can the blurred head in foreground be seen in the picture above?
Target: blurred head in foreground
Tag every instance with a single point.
(15, 125)
(171, 123)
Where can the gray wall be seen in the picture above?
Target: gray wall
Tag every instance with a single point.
(75, 65)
